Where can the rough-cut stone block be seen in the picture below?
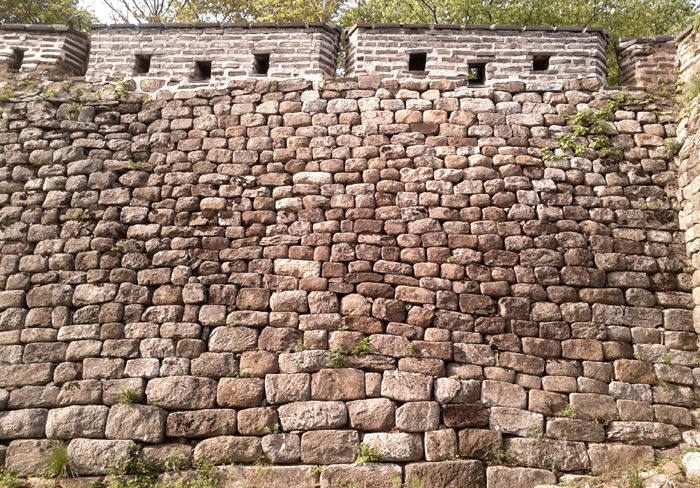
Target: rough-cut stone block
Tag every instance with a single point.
(376, 414)
(28, 457)
(548, 454)
(418, 416)
(96, 457)
(77, 421)
(225, 449)
(23, 424)
(240, 392)
(447, 474)
(399, 447)
(282, 448)
(136, 422)
(267, 476)
(479, 443)
(518, 422)
(287, 388)
(338, 384)
(374, 475)
(643, 433)
(503, 477)
(406, 387)
(606, 458)
(441, 445)
(575, 430)
(201, 423)
(313, 415)
(329, 446)
(175, 393)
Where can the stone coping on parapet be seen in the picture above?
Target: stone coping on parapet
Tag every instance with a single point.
(469, 27)
(49, 28)
(628, 41)
(225, 25)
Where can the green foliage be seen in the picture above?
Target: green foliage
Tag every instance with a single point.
(59, 465)
(336, 358)
(63, 12)
(367, 454)
(77, 215)
(569, 411)
(274, 430)
(689, 270)
(299, 346)
(362, 349)
(503, 458)
(240, 374)
(317, 470)
(120, 87)
(414, 482)
(396, 480)
(534, 431)
(8, 480)
(692, 88)
(72, 110)
(49, 92)
(5, 95)
(409, 349)
(634, 478)
(134, 165)
(662, 383)
(667, 358)
(672, 146)
(127, 397)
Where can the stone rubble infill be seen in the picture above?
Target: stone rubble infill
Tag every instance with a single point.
(300, 272)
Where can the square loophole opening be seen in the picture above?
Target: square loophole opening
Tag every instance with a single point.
(202, 70)
(16, 59)
(142, 64)
(476, 73)
(417, 61)
(540, 63)
(261, 65)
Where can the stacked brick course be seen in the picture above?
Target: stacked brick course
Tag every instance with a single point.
(294, 50)
(647, 61)
(51, 49)
(508, 52)
(291, 268)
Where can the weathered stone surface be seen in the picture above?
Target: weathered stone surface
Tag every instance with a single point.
(399, 447)
(268, 476)
(313, 415)
(370, 475)
(338, 384)
(96, 457)
(575, 430)
(225, 449)
(606, 458)
(418, 416)
(406, 387)
(643, 433)
(479, 444)
(77, 421)
(448, 474)
(329, 446)
(136, 422)
(23, 424)
(549, 454)
(201, 423)
(282, 448)
(287, 388)
(503, 477)
(175, 393)
(28, 457)
(240, 392)
(372, 415)
(514, 421)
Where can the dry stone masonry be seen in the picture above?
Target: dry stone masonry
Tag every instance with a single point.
(299, 271)
(53, 49)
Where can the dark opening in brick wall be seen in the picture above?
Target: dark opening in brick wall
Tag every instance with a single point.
(16, 59)
(417, 61)
(262, 64)
(540, 63)
(202, 70)
(477, 73)
(143, 63)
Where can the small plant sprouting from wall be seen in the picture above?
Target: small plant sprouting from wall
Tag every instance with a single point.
(127, 397)
(59, 464)
(336, 358)
(367, 454)
(569, 411)
(362, 349)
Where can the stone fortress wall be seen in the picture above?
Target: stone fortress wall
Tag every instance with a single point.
(532, 54)
(290, 268)
(43, 48)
